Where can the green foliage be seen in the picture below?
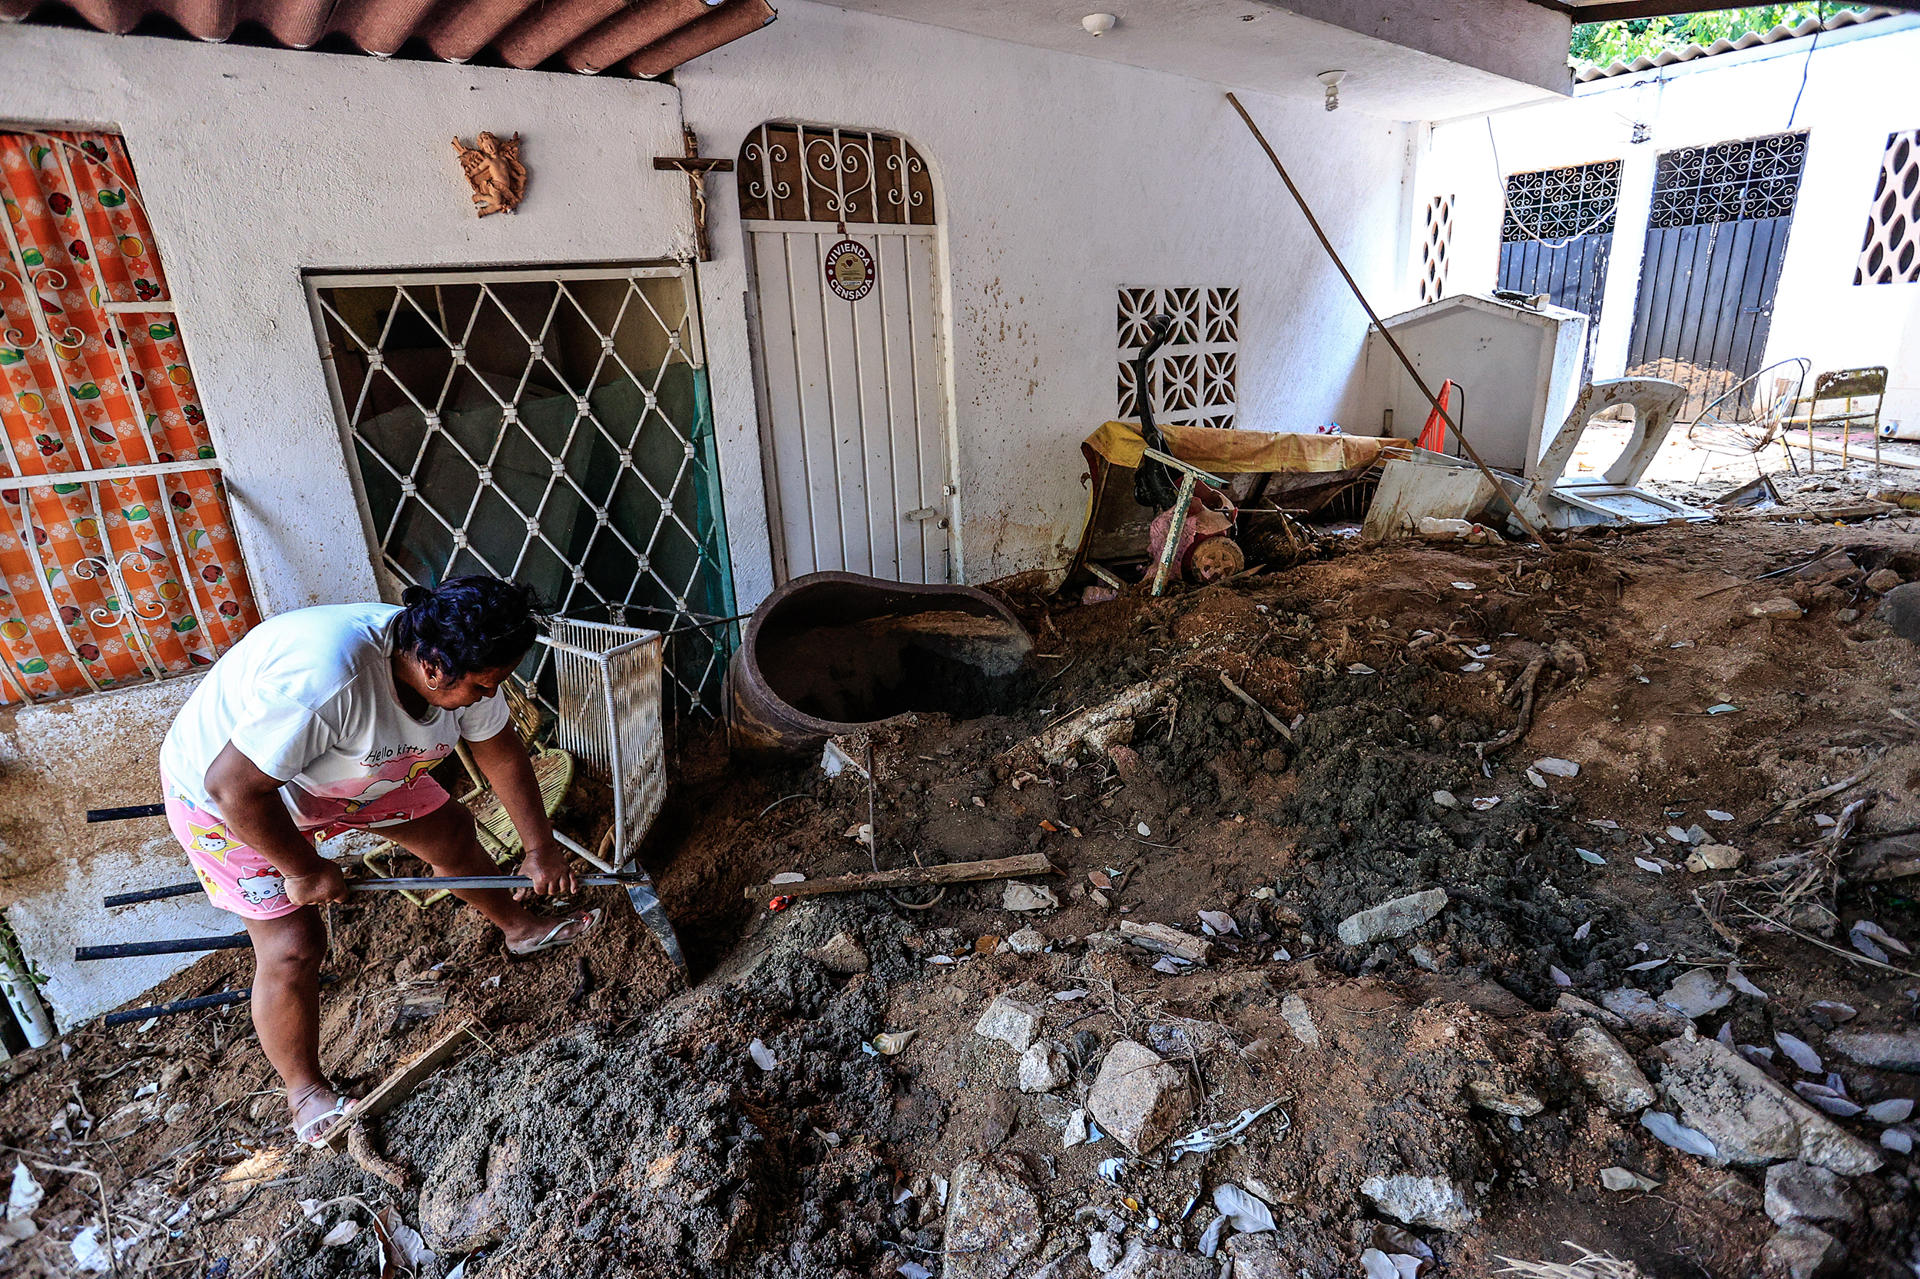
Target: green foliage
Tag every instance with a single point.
(1600, 43)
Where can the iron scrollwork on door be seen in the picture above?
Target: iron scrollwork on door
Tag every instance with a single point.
(792, 173)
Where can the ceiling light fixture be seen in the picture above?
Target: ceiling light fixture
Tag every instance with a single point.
(1098, 24)
(1332, 80)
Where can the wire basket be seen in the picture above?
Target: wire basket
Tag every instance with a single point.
(607, 682)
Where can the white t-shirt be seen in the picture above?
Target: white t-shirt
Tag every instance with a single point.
(309, 697)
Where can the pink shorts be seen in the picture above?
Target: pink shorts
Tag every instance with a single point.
(240, 879)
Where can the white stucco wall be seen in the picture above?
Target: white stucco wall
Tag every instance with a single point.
(1061, 179)
(258, 164)
(1859, 88)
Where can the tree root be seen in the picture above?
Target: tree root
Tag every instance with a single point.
(360, 1146)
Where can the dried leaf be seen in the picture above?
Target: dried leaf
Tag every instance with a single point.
(345, 1231)
(1738, 980)
(1249, 1213)
(1644, 864)
(1580, 933)
(1893, 1111)
(1559, 978)
(1647, 965)
(1221, 922)
(1897, 1139)
(1673, 1133)
(893, 1042)
(1623, 1179)
(1833, 1010)
(1589, 856)
(1881, 935)
(1837, 1106)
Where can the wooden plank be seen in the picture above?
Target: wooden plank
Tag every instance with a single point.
(910, 877)
(397, 1087)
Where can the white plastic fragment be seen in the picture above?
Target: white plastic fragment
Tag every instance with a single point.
(1473, 668)
(1465, 586)
(1486, 802)
(1719, 815)
(90, 1255)
(1110, 1169)
(1800, 1051)
(762, 1055)
(1068, 996)
(1722, 708)
(1672, 1132)
(1248, 1212)
(22, 1199)
(1143, 829)
(1580, 933)
(1893, 1111)
(788, 877)
(1537, 778)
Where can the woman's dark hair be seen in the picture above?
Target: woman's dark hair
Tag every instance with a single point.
(467, 624)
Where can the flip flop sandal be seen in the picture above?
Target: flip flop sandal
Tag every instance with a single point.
(312, 1134)
(554, 941)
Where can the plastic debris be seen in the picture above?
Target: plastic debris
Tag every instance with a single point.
(1722, 708)
(1227, 1132)
(90, 1255)
(1580, 933)
(1473, 668)
(779, 904)
(1110, 1169)
(1672, 1132)
(1537, 778)
(1168, 964)
(762, 1056)
(861, 833)
(1647, 965)
(24, 1196)
(1486, 802)
(1248, 1212)
(1623, 1179)
(1590, 857)
(1068, 996)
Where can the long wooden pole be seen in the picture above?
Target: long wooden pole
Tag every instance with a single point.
(1373, 315)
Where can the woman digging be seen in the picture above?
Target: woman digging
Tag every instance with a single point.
(330, 719)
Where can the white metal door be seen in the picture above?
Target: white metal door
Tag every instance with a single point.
(853, 391)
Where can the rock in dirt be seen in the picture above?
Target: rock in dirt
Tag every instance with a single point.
(1882, 580)
(1163, 939)
(1801, 1251)
(1024, 896)
(1027, 941)
(1504, 1101)
(1776, 607)
(1300, 1021)
(1900, 610)
(1071, 1265)
(1750, 1118)
(1261, 1257)
(1697, 993)
(1642, 1011)
(1609, 1071)
(1802, 1192)
(841, 956)
(1878, 1048)
(1145, 1262)
(1714, 857)
(1419, 1201)
(1043, 1067)
(462, 1207)
(1012, 1018)
(1394, 918)
(1582, 1008)
(1139, 1098)
(993, 1219)
(1104, 1250)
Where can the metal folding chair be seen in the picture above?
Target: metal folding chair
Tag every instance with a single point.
(1848, 387)
(1746, 418)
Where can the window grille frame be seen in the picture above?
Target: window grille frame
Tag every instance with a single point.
(1436, 248)
(700, 467)
(1739, 180)
(1893, 216)
(1561, 203)
(121, 612)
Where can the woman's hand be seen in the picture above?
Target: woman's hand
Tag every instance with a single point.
(550, 870)
(324, 885)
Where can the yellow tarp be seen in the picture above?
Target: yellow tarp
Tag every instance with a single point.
(1240, 452)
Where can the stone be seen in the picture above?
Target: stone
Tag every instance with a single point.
(1014, 1022)
(1802, 1192)
(841, 955)
(1023, 896)
(1103, 1251)
(1068, 1265)
(1801, 1251)
(1145, 1262)
(1642, 1011)
(1882, 580)
(1392, 919)
(1163, 939)
(1609, 1071)
(1714, 857)
(1513, 1102)
(1419, 1201)
(1027, 941)
(1138, 1097)
(1900, 610)
(1697, 993)
(1885, 1050)
(1776, 608)
(1043, 1067)
(1260, 1256)
(1749, 1117)
(993, 1219)
(1569, 1003)
(462, 1204)
(1293, 1010)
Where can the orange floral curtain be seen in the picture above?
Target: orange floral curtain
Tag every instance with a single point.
(103, 582)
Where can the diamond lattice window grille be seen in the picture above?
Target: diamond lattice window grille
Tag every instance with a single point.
(1890, 251)
(547, 426)
(1555, 204)
(1729, 181)
(1436, 246)
(1196, 374)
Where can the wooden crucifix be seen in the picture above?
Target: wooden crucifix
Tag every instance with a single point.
(696, 167)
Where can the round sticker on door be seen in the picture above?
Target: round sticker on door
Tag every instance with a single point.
(850, 270)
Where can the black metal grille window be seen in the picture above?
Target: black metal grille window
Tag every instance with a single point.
(1890, 252)
(1555, 204)
(1728, 182)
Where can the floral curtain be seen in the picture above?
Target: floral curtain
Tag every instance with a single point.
(105, 581)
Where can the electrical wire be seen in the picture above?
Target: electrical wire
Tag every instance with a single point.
(1506, 205)
(1806, 68)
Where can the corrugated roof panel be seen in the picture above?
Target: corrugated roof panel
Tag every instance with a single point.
(620, 36)
(1691, 52)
